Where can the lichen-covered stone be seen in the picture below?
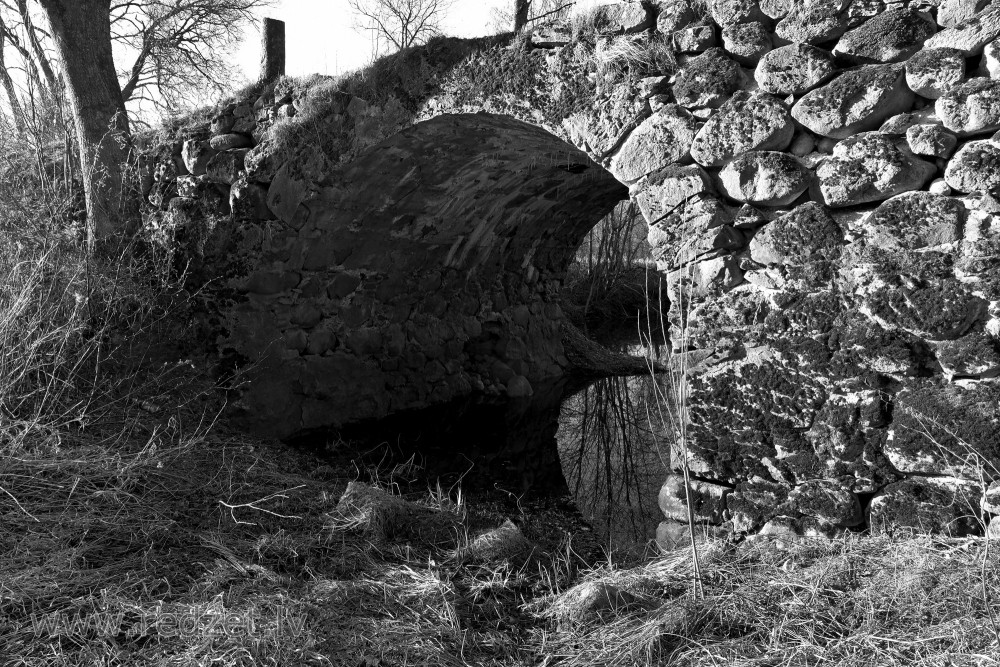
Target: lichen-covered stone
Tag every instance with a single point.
(892, 36)
(674, 16)
(707, 80)
(663, 191)
(971, 108)
(765, 178)
(663, 138)
(975, 167)
(927, 505)
(932, 140)
(812, 22)
(695, 38)
(975, 355)
(971, 35)
(868, 167)
(748, 121)
(855, 101)
(196, 155)
(794, 69)
(753, 503)
(953, 12)
(732, 12)
(228, 142)
(747, 42)
(931, 73)
(803, 234)
(827, 501)
(915, 220)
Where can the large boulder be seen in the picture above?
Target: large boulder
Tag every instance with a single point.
(794, 69)
(747, 42)
(971, 35)
(892, 36)
(869, 167)
(662, 139)
(931, 73)
(915, 220)
(707, 80)
(708, 500)
(797, 237)
(928, 505)
(855, 101)
(813, 22)
(748, 121)
(663, 191)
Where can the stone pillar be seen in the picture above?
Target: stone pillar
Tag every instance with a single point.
(273, 59)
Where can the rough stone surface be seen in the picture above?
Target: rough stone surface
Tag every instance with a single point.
(732, 12)
(708, 500)
(794, 69)
(971, 35)
(855, 101)
(797, 236)
(934, 504)
(932, 140)
(971, 108)
(931, 73)
(869, 167)
(765, 178)
(748, 121)
(707, 80)
(196, 155)
(812, 22)
(915, 220)
(953, 12)
(695, 39)
(747, 42)
(892, 36)
(663, 191)
(661, 139)
(674, 16)
(975, 167)
(227, 142)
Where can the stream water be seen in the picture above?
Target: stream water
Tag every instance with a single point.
(603, 442)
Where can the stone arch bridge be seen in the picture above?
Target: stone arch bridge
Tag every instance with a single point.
(426, 269)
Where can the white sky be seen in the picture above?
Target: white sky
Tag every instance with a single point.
(320, 37)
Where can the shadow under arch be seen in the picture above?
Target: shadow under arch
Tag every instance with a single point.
(426, 269)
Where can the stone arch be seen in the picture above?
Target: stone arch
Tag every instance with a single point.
(425, 269)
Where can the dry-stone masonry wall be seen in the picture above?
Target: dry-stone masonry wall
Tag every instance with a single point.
(819, 176)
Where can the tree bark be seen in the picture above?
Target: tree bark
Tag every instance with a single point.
(8, 85)
(521, 8)
(82, 33)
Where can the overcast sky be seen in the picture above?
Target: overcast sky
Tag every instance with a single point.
(321, 38)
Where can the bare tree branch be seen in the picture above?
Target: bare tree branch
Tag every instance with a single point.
(403, 23)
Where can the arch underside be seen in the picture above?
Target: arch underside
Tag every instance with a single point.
(426, 269)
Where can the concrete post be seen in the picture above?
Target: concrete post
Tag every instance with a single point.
(273, 58)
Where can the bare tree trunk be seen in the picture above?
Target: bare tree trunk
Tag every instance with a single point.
(521, 8)
(36, 46)
(82, 33)
(8, 86)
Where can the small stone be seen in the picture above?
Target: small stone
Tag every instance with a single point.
(226, 142)
(900, 123)
(748, 121)
(990, 64)
(764, 178)
(855, 101)
(971, 35)
(663, 138)
(892, 36)
(708, 499)
(869, 167)
(249, 201)
(939, 186)
(802, 145)
(975, 167)
(931, 73)
(990, 501)
(812, 22)
(971, 108)
(707, 80)
(794, 69)
(746, 42)
(506, 544)
(931, 140)
(695, 39)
